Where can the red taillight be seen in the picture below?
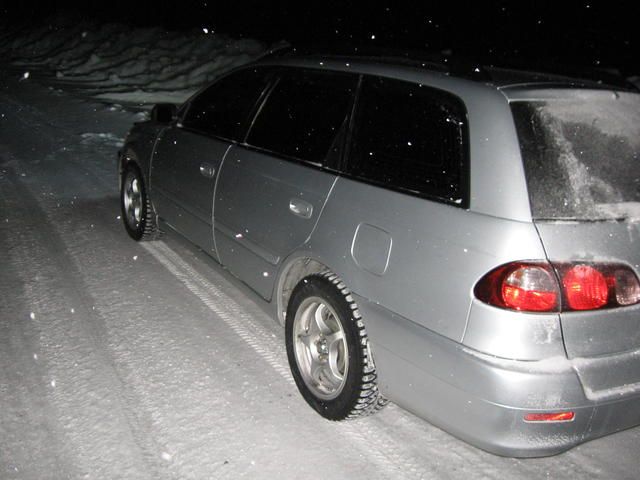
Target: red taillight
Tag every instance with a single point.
(550, 417)
(530, 288)
(585, 287)
(527, 287)
(534, 287)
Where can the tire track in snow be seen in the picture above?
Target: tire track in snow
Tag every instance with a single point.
(375, 442)
(28, 427)
(223, 306)
(85, 391)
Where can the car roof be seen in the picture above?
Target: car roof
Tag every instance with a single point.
(502, 75)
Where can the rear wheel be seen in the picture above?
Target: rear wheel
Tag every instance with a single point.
(137, 212)
(328, 350)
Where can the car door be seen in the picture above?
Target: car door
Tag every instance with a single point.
(272, 188)
(189, 153)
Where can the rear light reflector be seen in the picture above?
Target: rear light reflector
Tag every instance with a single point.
(539, 286)
(626, 286)
(550, 417)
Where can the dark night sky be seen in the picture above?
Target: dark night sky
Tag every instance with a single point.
(585, 33)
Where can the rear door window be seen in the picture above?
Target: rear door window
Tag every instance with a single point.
(305, 116)
(222, 108)
(411, 138)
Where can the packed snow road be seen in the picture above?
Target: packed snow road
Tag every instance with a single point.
(126, 360)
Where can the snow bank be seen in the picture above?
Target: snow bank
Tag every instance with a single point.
(121, 63)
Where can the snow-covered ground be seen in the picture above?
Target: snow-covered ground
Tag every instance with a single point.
(124, 360)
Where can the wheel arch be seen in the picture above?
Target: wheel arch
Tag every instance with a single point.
(294, 270)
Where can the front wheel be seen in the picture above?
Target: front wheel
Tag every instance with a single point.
(137, 212)
(328, 350)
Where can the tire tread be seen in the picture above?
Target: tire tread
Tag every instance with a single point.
(370, 400)
(147, 229)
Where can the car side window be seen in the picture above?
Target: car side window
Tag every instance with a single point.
(222, 109)
(411, 138)
(305, 115)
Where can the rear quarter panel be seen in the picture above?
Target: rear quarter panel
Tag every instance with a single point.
(419, 259)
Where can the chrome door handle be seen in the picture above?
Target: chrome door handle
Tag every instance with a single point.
(300, 208)
(207, 170)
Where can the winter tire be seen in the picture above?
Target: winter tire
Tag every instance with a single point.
(328, 350)
(137, 212)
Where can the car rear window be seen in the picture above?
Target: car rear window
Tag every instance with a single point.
(581, 155)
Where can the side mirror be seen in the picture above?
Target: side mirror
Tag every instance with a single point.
(164, 112)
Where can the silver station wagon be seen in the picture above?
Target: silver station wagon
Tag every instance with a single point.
(464, 244)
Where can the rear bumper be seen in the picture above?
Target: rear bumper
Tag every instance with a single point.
(483, 399)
